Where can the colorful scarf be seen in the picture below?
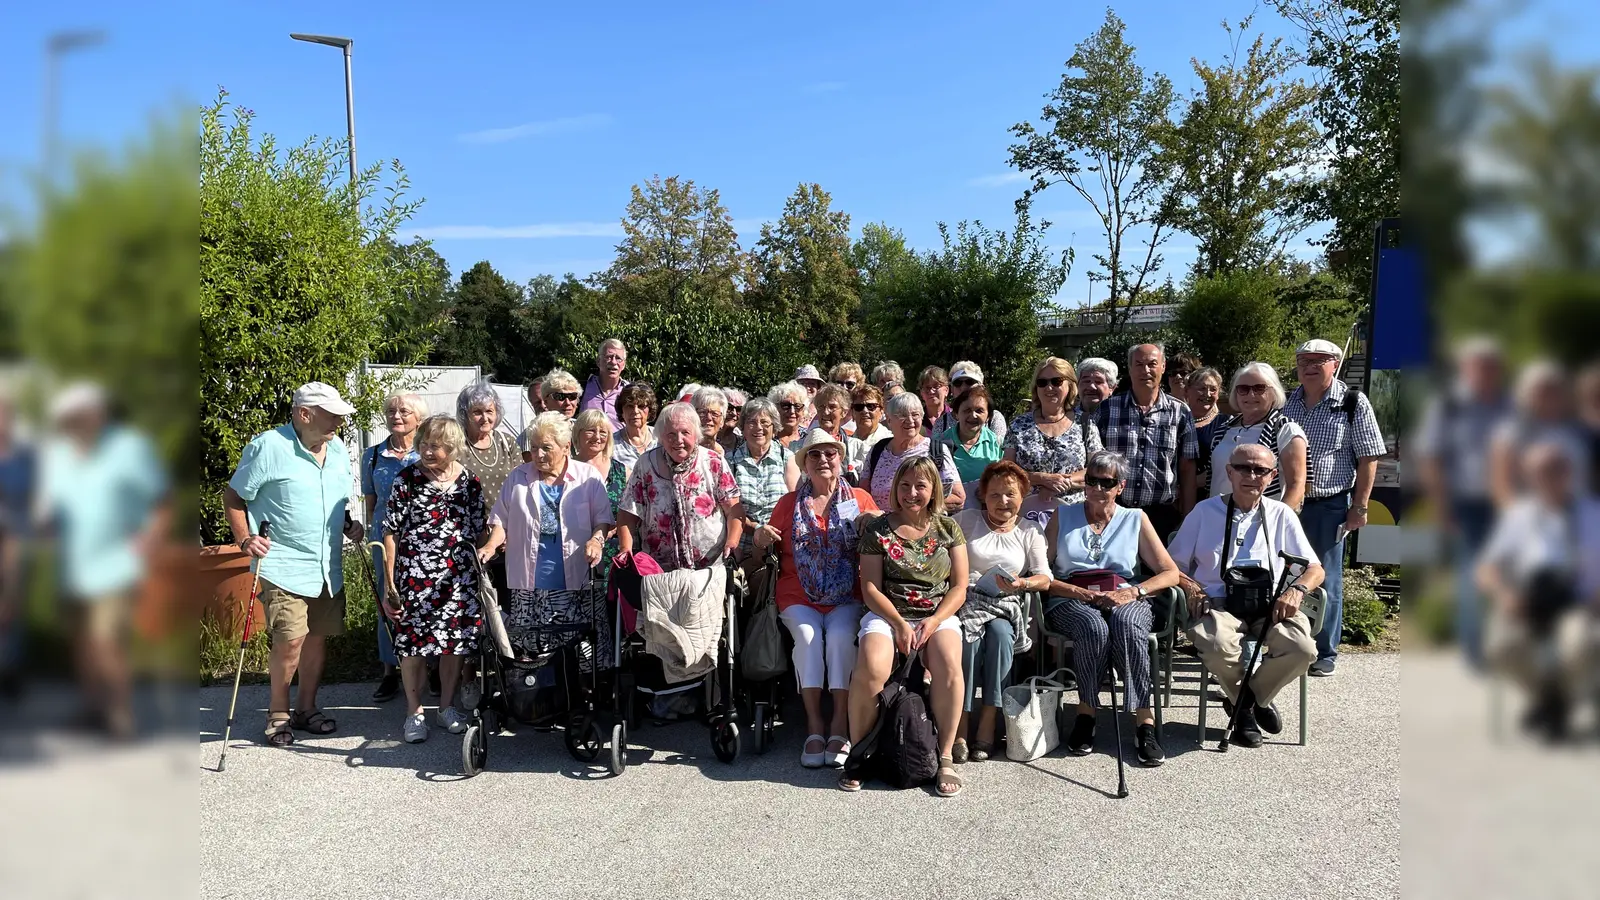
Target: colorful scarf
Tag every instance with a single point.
(824, 560)
(690, 482)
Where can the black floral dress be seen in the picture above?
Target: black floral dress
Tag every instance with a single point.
(436, 532)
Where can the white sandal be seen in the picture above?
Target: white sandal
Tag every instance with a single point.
(813, 760)
(835, 760)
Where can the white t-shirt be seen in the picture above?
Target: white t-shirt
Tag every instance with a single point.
(1531, 536)
(1197, 547)
(1020, 551)
(1240, 434)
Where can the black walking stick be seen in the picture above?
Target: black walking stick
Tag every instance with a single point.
(244, 641)
(1116, 721)
(1294, 567)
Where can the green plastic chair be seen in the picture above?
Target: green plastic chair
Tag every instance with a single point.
(1315, 607)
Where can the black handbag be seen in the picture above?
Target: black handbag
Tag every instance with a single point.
(1247, 590)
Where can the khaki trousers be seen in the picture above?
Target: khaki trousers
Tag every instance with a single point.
(1288, 650)
(1567, 656)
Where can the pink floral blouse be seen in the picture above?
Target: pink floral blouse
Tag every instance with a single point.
(679, 506)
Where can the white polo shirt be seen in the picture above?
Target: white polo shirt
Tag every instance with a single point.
(1197, 548)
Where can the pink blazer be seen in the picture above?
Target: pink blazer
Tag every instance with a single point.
(584, 508)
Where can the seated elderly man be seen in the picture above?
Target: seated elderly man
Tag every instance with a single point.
(1242, 533)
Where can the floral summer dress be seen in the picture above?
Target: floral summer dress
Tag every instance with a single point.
(916, 574)
(436, 531)
(1066, 452)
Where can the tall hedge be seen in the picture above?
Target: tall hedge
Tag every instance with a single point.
(1232, 319)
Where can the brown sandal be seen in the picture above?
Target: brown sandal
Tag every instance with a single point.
(314, 721)
(948, 783)
(279, 733)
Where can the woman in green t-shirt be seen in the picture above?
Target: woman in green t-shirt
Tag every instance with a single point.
(913, 580)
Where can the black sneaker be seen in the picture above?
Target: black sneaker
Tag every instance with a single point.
(1247, 733)
(1081, 741)
(1269, 720)
(433, 682)
(388, 688)
(1150, 752)
(1322, 668)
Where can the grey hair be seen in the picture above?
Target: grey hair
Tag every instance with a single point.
(1160, 348)
(1268, 374)
(552, 423)
(759, 406)
(478, 393)
(557, 380)
(612, 342)
(888, 371)
(413, 402)
(672, 411)
(710, 397)
(1107, 460)
(789, 390)
(735, 396)
(1204, 372)
(1535, 375)
(902, 405)
(1105, 367)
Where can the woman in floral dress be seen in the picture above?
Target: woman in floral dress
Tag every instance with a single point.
(434, 524)
(1049, 444)
(681, 505)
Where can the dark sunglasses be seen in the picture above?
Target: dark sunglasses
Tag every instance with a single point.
(1251, 389)
(565, 396)
(1049, 382)
(962, 383)
(1252, 471)
(865, 407)
(791, 407)
(735, 410)
(847, 385)
(1094, 481)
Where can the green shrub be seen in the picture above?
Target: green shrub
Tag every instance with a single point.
(1233, 319)
(1365, 615)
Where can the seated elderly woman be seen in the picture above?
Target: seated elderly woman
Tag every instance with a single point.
(553, 519)
(913, 581)
(1095, 548)
(793, 403)
(818, 593)
(1245, 532)
(833, 406)
(1538, 567)
(906, 441)
(681, 504)
(763, 469)
(711, 405)
(994, 620)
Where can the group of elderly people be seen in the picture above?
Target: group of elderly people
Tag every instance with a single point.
(901, 522)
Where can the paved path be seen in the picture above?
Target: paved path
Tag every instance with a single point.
(362, 815)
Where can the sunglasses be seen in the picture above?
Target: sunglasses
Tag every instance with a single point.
(1251, 390)
(791, 407)
(847, 385)
(865, 407)
(565, 397)
(962, 383)
(824, 453)
(1252, 471)
(1104, 484)
(1049, 382)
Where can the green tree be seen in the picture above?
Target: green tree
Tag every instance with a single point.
(420, 316)
(1232, 319)
(487, 326)
(978, 297)
(883, 263)
(1241, 156)
(297, 282)
(678, 241)
(803, 271)
(1097, 135)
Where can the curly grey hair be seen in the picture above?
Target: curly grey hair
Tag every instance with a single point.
(478, 393)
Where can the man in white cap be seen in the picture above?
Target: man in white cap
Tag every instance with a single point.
(1343, 444)
(102, 493)
(296, 478)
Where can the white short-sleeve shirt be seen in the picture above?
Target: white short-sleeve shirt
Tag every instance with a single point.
(1197, 548)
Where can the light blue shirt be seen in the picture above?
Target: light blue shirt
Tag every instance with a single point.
(1079, 549)
(282, 483)
(99, 502)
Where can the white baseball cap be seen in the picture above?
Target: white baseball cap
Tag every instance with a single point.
(76, 398)
(322, 396)
(1319, 345)
(960, 372)
(807, 373)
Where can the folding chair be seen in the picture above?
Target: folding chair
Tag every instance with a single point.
(1315, 607)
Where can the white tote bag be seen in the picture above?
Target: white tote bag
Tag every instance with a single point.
(1030, 709)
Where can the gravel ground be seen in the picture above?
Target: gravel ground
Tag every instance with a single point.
(362, 815)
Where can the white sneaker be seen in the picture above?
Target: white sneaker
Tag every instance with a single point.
(469, 694)
(416, 728)
(452, 720)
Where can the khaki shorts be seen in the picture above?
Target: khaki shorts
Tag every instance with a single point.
(291, 616)
(103, 617)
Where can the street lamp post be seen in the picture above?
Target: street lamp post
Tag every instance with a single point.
(344, 44)
(58, 45)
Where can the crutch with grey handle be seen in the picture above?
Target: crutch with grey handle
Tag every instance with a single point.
(244, 641)
(1293, 567)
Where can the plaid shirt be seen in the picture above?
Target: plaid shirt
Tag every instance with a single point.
(1334, 439)
(1151, 442)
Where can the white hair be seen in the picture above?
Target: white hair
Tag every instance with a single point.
(672, 411)
(1535, 375)
(1095, 364)
(736, 396)
(710, 397)
(413, 402)
(902, 405)
(553, 424)
(1268, 374)
(789, 390)
(558, 380)
(610, 343)
(478, 393)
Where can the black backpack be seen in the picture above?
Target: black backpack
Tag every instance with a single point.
(938, 451)
(902, 748)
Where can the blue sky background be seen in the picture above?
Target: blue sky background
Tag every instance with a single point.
(534, 119)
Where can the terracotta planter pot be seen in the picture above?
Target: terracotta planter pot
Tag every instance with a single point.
(224, 582)
(170, 598)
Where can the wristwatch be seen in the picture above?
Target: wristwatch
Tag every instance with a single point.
(1143, 594)
(1301, 588)
(1359, 509)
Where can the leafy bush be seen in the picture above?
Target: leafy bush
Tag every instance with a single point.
(1365, 615)
(1232, 318)
(1115, 345)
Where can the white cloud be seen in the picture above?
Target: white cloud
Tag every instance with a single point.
(1001, 180)
(499, 232)
(537, 129)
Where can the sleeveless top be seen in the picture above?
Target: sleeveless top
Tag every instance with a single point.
(1078, 548)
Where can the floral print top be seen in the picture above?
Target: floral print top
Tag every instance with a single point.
(679, 507)
(1036, 451)
(916, 574)
(616, 482)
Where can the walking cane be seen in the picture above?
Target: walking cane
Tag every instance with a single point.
(244, 641)
(1116, 721)
(1294, 567)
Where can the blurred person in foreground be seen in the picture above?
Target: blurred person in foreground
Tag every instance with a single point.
(1343, 445)
(1452, 445)
(1541, 569)
(297, 478)
(1543, 413)
(18, 474)
(1589, 417)
(102, 493)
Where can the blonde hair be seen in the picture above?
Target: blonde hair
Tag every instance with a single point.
(912, 466)
(1059, 366)
(594, 418)
(442, 431)
(413, 402)
(847, 371)
(553, 424)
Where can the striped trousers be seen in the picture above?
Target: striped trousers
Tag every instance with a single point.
(1125, 631)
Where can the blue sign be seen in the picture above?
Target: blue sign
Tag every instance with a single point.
(1400, 335)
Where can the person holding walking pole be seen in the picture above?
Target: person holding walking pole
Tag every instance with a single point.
(298, 476)
(244, 644)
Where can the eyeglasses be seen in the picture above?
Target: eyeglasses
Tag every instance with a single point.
(1252, 471)
(565, 397)
(1049, 382)
(865, 407)
(1104, 484)
(1308, 361)
(791, 407)
(824, 453)
(1251, 390)
(847, 385)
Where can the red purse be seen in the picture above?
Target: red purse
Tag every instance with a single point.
(1103, 580)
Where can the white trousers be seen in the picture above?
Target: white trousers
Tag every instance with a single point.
(824, 643)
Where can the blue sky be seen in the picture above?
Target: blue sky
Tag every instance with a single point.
(533, 120)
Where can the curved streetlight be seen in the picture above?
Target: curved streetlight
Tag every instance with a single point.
(344, 44)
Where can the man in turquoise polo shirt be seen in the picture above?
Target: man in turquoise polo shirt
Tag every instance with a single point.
(296, 478)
